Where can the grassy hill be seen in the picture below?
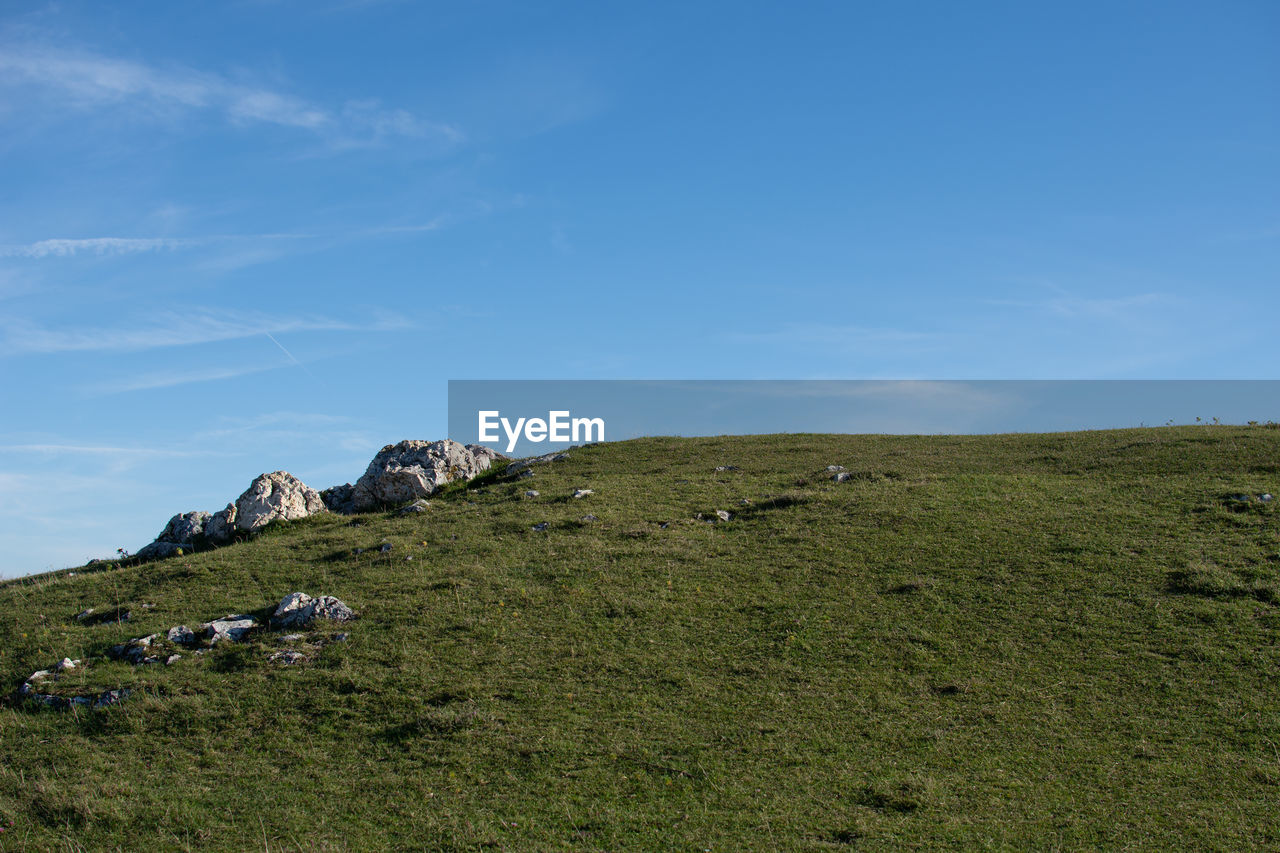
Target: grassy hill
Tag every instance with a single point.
(1020, 641)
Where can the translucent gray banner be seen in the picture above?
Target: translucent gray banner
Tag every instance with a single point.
(528, 417)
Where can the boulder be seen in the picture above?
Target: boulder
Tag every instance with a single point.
(161, 550)
(404, 472)
(232, 628)
(275, 496)
(221, 526)
(185, 528)
(485, 456)
(299, 610)
(339, 499)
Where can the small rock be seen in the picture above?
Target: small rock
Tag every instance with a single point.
(287, 657)
(664, 525)
(724, 515)
(340, 638)
(40, 675)
(833, 468)
(384, 548)
(1265, 498)
(582, 493)
(65, 664)
(299, 610)
(541, 525)
(726, 468)
(420, 505)
(291, 638)
(589, 518)
(133, 651)
(358, 551)
(182, 635)
(111, 697)
(84, 614)
(233, 628)
(842, 477)
(532, 493)
(744, 502)
(172, 659)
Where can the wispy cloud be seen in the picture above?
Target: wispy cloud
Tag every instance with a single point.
(89, 81)
(170, 330)
(828, 335)
(1064, 303)
(61, 248)
(175, 378)
(99, 450)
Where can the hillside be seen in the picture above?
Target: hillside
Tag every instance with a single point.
(1019, 641)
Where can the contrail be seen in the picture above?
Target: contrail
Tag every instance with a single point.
(292, 357)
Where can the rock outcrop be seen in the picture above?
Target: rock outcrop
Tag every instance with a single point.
(404, 472)
(221, 526)
(400, 474)
(278, 496)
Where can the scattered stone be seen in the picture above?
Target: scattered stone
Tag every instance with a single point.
(40, 675)
(291, 638)
(233, 628)
(745, 502)
(532, 493)
(541, 526)
(384, 548)
(134, 651)
(299, 610)
(525, 474)
(724, 515)
(831, 469)
(1265, 498)
(420, 505)
(843, 477)
(403, 472)
(582, 493)
(589, 518)
(84, 614)
(111, 697)
(288, 657)
(664, 525)
(66, 664)
(172, 659)
(726, 468)
(276, 496)
(182, 635)
(340, 638)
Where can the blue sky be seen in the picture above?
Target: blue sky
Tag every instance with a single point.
(243, 236)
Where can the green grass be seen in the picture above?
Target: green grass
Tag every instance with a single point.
(1004, 642)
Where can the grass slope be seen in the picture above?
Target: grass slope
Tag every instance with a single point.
(1022, 641)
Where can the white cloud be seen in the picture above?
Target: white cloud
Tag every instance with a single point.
(169, 330)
